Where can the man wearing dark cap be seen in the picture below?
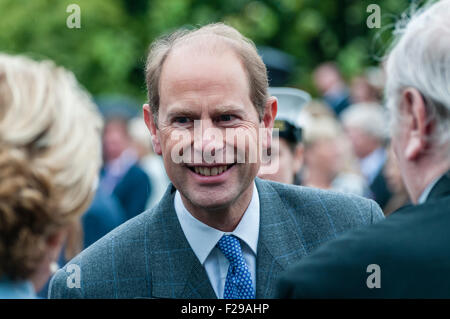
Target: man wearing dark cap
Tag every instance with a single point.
(287, 150)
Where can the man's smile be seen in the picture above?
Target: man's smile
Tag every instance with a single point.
(211, 173)
(210, 170)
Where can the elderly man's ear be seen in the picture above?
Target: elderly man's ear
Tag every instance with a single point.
(270, 112)
(149, 121)
(413, 111)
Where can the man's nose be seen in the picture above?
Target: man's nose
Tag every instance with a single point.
(209, 137)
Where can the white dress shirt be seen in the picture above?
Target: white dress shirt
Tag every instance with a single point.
(426, 192)
(203, 239)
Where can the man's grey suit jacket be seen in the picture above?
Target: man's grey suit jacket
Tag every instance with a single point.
(149, 256)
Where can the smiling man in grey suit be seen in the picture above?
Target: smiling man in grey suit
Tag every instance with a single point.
(218, 231)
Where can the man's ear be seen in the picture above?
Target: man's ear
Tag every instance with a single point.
(149, 121)
(270, 112)
(414, 112)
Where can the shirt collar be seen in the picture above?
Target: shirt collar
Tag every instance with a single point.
(426, 192)
(203, 238)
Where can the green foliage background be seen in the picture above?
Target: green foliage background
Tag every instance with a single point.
(107, 54)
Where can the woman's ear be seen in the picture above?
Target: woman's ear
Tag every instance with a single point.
(152, 127)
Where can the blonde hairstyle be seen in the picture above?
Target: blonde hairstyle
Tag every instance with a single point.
(139, 132)
(320, 128)
(243, 47)
(324, 127)
(50, 154)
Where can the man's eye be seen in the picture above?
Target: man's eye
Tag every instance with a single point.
(226, 118)
(182, 120)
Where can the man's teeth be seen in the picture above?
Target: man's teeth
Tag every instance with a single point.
(210, 171)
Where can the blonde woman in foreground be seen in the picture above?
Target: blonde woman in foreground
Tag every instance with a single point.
(50, 154)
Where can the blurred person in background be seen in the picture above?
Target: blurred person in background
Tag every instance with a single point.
(365, 125)
(151, 162)
(315, 108)
(362, 91)
(289, 150)
(121, 175)
(328, 80)
(328, 164)
(50, 156)
(406, 255)
(104, 214)
(376, 77)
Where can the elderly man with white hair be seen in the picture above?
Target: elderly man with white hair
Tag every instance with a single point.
(406, 255)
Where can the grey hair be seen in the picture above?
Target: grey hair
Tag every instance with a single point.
(420, 58)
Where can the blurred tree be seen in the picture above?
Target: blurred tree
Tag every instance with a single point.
(108, 53)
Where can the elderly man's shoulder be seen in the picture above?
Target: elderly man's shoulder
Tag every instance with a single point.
(93, 271)
(339, 268)
(314, 202)
(398, 250)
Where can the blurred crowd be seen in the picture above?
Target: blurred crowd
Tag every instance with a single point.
(344, 138)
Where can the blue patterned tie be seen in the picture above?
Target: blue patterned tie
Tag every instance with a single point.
(238, 284)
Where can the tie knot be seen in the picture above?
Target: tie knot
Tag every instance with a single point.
(230, 246)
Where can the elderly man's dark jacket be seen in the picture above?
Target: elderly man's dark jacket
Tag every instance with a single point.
(411, 248)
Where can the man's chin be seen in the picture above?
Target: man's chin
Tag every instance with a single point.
(211, 200)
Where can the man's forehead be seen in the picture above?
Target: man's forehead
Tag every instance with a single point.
(201, 47)
(198, 49)
(205, 44)
(188, 70)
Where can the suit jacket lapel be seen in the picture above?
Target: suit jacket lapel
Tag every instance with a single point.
(279, 243)
(175, 270)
